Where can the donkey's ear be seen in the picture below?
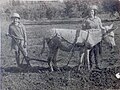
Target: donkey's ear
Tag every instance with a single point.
(111, 26)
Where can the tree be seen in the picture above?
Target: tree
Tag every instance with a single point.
(68, 9)
(49, 13)
(111, 6)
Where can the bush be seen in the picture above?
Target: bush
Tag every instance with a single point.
(38, 10)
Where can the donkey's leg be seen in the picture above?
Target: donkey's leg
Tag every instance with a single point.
(88, 52)
(43, 48)
(53, 45)
(50, 57)
(51, 66)
(54, 59)
(50, 62)
(81, 56)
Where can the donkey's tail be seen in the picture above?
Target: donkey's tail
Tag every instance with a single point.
(43, 48)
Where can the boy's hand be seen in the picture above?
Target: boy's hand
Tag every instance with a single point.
(25, 45)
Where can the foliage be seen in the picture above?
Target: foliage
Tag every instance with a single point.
(111, 5)
(56, 10)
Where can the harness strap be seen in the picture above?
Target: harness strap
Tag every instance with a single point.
(111, 36)
(52, 37)
(107, 32)
(77, 35)
(66, 40)
(86, 38)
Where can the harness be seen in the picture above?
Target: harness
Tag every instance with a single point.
(50, 39)
(107, 32)
(75, 40)
(111, 36)
(86, 38)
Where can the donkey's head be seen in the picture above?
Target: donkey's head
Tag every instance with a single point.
(109, 38)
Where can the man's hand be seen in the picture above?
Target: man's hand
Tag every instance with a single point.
(7, 35)
(25, 45)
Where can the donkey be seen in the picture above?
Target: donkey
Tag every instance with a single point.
(82, 41)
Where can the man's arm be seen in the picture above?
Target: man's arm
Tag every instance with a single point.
(100, 23)
(103, 29)
(25, 35)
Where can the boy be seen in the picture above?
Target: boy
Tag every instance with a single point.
(19, 39)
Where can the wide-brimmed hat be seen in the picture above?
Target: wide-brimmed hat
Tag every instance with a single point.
(93, 7)
(15, 15)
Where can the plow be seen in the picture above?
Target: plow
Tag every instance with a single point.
(27, 58)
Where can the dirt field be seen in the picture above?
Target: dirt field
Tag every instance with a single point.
(39, 78)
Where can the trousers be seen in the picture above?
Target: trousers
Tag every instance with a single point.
(96, 50)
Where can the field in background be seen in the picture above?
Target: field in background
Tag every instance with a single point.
(42, 79)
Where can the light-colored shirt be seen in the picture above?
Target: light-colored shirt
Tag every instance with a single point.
(95, 28)
(94, 23)
(18, 32)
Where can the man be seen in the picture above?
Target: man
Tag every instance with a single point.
(93, 22)
(17, 32)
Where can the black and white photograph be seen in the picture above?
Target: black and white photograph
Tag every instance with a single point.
(59, 44)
